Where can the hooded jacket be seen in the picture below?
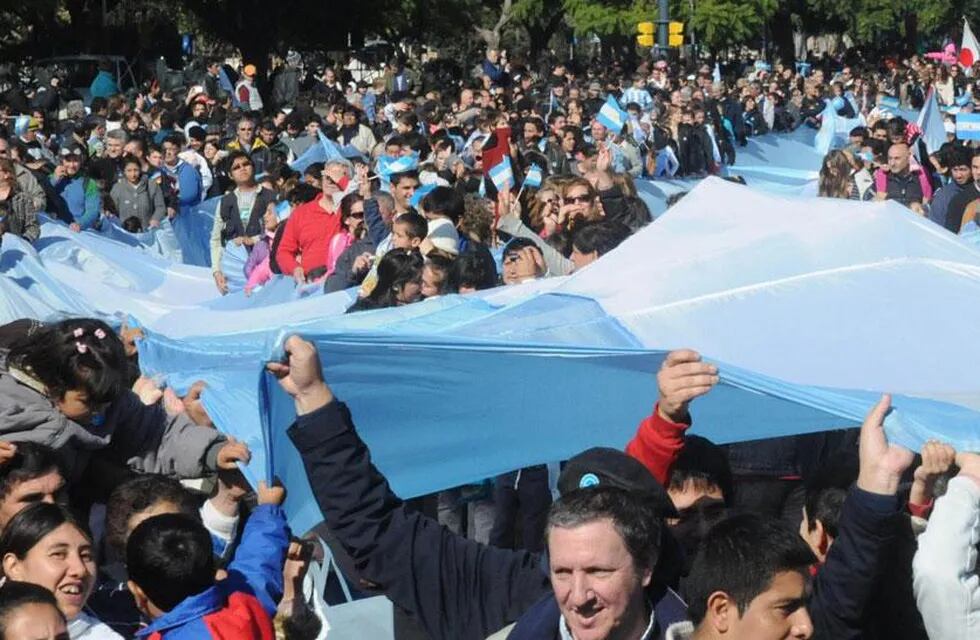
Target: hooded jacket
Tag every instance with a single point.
(144, 200)
(243, 604)
(143, 438)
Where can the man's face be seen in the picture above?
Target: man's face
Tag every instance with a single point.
(596, 582)
(493, 55)
(246, 132)
(155, 158)
(198, 110)
(403, 191)
(558, 125)
(45, 488)
(465, 98)
(268, 135)
(531, 133)
(113, 148)
(170, 151)
(213, 69)
(961, 174)
(312, 128)
(350, 119)
(598, 131)
(242, 170)
(880, 134)
(779, 613)
(975, 168)
(898, 158)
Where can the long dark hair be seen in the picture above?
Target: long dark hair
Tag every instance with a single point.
(397, 268)
(32, 523)
(81, 354)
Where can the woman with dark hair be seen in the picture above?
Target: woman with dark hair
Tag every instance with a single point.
(45, 544)
(352, 228)
(30, 611)
(399, 281)
(66, 385)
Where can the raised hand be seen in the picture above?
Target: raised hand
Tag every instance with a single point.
(682, 378)
(882, 463)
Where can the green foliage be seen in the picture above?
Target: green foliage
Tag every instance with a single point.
(725, 23)
(610, 17)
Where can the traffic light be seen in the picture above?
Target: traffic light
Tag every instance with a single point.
(675, 36)
(644, 31)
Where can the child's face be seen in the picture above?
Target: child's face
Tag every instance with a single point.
(400, 238)
(270, 219)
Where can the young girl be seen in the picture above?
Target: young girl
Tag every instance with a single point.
(65, 386)
(137, 197)
(44, 544)
(399, 281)
(352, 228)
(258, 268)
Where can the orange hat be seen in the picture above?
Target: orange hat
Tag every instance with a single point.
(249, 70)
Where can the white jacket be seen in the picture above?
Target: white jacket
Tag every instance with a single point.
(947, 587)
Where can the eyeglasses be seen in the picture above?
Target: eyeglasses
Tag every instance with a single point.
(583, 199)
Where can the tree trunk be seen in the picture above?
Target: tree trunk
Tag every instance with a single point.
(781, 28)
(912, 32)
(539, 35)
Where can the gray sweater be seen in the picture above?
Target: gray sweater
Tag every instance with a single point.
(144, 200)
(144, 438)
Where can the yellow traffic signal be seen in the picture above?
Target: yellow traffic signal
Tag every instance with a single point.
(644, 40)
(675, 37)
(645, 28)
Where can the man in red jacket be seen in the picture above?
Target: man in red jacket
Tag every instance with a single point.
(303, 249)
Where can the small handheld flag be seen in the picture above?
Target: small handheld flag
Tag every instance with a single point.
(611, 116)
(502, 175)
(534, 176)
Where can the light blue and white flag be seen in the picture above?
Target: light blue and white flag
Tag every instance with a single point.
(422, 191)
(667, 163)
(502, 175)
(716, 74)
(968, 126)
(534, 176)
(611, 116)
(931, 124)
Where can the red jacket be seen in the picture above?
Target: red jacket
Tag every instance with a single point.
(657, 444)
(307, 237)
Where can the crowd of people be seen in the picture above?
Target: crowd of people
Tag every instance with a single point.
(514, 174)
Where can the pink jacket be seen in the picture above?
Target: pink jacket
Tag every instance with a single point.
(338, 244)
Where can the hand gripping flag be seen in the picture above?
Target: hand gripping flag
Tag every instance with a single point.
(611, 116)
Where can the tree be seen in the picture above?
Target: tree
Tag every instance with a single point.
(721, 24)
(541, 19)
(492, 35)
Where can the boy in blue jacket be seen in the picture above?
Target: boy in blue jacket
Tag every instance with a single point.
(172, 575)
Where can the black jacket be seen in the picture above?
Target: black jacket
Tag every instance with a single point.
(228, 210)
(847, 581)
(457, 589)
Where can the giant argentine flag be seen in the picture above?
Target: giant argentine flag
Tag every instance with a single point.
(810, 307)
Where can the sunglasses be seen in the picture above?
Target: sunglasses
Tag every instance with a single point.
(577, 199)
